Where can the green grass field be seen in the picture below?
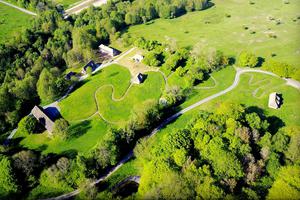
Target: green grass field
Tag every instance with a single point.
(215, 28)
(11, 22)
(81, 103)
(120, 111)
(224, 78)
(84, 136)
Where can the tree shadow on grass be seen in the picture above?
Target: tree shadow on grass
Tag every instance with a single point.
(79, 129)
(275, 124)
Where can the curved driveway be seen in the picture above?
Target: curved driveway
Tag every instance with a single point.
(167, 121)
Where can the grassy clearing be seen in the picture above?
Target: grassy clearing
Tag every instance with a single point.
(83, 137)
(224, 27)
(81, 103)
(120, 111)
(256, 94)
(11, 22)
(224, 79)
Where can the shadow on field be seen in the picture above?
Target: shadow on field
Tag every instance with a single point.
(79, 129)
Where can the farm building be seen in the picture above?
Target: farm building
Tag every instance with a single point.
(139, 78)
(107, 50)
(91, 64)
(274, 100)
(69, 75)
(43, 118)
(138, 58)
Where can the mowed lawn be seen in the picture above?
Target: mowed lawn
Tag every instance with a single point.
(223, 27)
(121, 110)
(221, 80)
(82, 137)
(81, 103)
(11, 22)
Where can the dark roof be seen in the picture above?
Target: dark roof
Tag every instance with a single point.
(43, 118)
(140, 77)
(91, 64)
(69, 75)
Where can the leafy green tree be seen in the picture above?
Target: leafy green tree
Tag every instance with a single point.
(46, 86)
(246, 59)
(60, 128)
(27, 125)
(151, 59)
(286, 185)
(8, 184)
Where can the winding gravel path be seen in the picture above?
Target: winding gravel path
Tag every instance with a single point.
(167, 121)
(19, 8)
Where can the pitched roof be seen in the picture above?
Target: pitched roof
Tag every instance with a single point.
(274, 100)
(43, 118)
(139, 78)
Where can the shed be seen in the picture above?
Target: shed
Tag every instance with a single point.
(138, 58)
(107, 50)
(69, 75)
(140, 78)
(91, 64)
(274, 100)
(39, 113)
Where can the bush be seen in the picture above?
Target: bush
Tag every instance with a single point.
(280, 68)
(246, 59)
(61, 128)
(27, 125)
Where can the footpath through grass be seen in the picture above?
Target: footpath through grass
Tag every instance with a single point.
(265, 28)
(11, 22)
(120, 111)
(81, 103)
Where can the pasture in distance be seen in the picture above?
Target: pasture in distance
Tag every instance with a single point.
(267, 28)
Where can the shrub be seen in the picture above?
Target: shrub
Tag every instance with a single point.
(246, 59)
(61, 128)
(27, 125)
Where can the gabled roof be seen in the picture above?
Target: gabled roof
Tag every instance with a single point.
(43, 118)
(274, 100)
(139, 78)
(91, 64)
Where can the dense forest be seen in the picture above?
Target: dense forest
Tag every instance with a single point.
(232, 153)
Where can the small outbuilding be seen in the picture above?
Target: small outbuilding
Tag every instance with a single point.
(39, 113)
(90, 64)
(108, 50)
(274, 100)
(69, 75)
(140, 78)
(138, 58)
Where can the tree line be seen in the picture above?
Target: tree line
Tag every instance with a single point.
(32, 64)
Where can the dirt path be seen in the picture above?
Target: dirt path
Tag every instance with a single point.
(83, 5)
(19, 8)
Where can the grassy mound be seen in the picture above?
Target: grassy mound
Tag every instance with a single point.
(120, 110)
(81, 103)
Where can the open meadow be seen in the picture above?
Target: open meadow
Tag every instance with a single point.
(267, 28)
(11, 22)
